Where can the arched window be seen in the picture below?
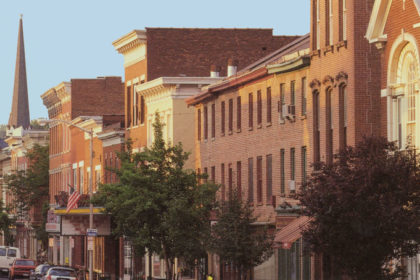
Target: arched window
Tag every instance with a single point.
(343, 116)
(316, 126)
(329, 124)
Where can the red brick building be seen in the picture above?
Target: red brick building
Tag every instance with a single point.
(394, 29)
(90, 104)
(173, 52)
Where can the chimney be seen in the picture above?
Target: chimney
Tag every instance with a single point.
(232, 67)
(214, 71)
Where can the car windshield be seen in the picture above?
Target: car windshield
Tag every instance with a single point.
(2, 252)
(11, 253)
(45, 268)
(62, 272)
(25, 262)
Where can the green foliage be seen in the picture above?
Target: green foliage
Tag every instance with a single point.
(30, 187)
(365, 209)
(40, 233)
(158, 204)
(6, 224)
(236, 240)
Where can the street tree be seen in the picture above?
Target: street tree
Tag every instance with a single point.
(235, 237)
(365, 209)
(30, 189)
(158, 204)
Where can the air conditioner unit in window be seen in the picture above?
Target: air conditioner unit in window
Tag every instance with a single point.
(288, 112)
(292, 186)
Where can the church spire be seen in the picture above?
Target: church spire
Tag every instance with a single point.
(19, 116)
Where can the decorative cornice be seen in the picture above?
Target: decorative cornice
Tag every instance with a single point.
(288, 66)
(130, 41)
(341, 77)
(315, 84)
(328, 81)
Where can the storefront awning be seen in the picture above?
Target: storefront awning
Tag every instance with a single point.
(292, 232)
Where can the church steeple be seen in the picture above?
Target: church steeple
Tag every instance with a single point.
(19, 116)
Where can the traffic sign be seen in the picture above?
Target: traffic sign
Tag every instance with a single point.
(92, 232)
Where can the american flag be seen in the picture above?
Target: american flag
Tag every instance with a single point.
(72, 202)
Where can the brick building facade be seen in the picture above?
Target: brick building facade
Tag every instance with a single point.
(394, 29)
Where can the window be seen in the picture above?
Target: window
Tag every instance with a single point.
(213, 120)
(206, 173)
(329, 23)
(295, 263)
(251, 110)
(230, 115)
(250, 180)
(199, 124)
(222, 175)
(343, 117)
(316, 25)
(282, 173)
(292, 164)
(292, 93)
(223, 117)
(238, 178)
(282, 100)
(329, 125)
(342, 20)
(135, 106)
(230, 180)
(303, 96)
(128, 97)
(316, 110)
(213, 174)
(142, 110)
(304, 175)
(411, 103)
(97, 177)
(82, 179)
(269, 105)
(259, 107)
(238, 113)
(259, 179)
(206, 123)
(269, 179)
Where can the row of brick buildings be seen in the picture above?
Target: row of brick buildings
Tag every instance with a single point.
(255, 111)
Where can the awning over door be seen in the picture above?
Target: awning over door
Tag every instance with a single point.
(292, 232)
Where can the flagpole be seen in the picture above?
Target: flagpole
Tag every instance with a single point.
(91, 205)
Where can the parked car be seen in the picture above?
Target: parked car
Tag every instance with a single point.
(39, 271)
(60, 273)
(7, 256)
(21, 268)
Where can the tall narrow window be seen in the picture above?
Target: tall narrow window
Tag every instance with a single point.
(230, 115)
(282, 172)
(239, 178)
(128, 113)
(250, 180)
(328, 22)
(303, 89)
(142, 110)
(292, 93)
(411, 104)
(292, 164)
(269, 179)
(259, 107)
(317, 25)
(222, 177)
(343, 116)
(316, 127)
(269, 105)
(213, 174)
(342, 20)
(230, 180)
(238, 113)
(251, 110)
(259, 179)
(282, 100)
(329, 125)
(304, 160)
(206, 123)
(331, 22)
(399, 121)
(213, 120)
(199, 124)
(135, 106)
(222, 108)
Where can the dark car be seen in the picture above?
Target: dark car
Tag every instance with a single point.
(21, 268)
(39, 271)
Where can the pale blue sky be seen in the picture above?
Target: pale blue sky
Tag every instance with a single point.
(72, 39)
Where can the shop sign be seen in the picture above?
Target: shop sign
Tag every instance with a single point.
(91, 243)
(53, 222)
(79, 225)
(50, 242)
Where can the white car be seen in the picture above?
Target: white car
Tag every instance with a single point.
(7, 256)
(60, 273)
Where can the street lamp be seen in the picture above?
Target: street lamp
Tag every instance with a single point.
(90, 132)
